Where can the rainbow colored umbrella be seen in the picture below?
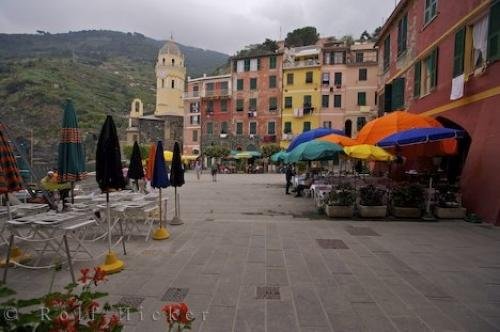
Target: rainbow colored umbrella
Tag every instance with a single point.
(310, 135)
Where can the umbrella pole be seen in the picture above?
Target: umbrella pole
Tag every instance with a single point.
(176, 220)
(161, 233)
(111, 264)
(72, 193)
(14, 254)
(428, 215)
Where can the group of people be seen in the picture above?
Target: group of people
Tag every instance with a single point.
(214, 169)
(290, 172)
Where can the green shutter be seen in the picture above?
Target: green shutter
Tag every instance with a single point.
(387, 52)
(398, 93)
(494, 32)
(361, 98)
(417, 79)
(458, 57)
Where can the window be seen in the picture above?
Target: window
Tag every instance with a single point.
(195, 135)
(361, 98)
(273, 103)
(271, 128)
(363, 73)
(253, 83)
(247, 64)
(309, 77)
(163, 61)
(253, 104)
(253, 128)
(195, 91)
(239, 128)
(173, 62)
(387, 97)
(210, 88)
(324, 101)
(288, 102)
(172, 84)
(307, 126)
(494, 32)
(194, 107)
(327, 124)
(426, 73)
(224, 87)
(210, 128)
(210, 106)
(287, 129)
(239, 105)
(223, 105)
(402, 34)
(338, 57)
(348, 128)
(307, 101)
(239, 66)
(223, 128)
(360, 122)
(272, 62)
(239, 84)
(325, 78)
(359, 57)
(337, 101)
(272, 81)
(195, 119)
(387, 52)
(289, 79)
(398, 94)
(162, 83)
(430, 10)
(338, 79)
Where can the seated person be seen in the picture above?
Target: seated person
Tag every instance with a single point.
(305, 184)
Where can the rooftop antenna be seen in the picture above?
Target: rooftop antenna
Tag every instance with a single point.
(280, 32)
(171, 35)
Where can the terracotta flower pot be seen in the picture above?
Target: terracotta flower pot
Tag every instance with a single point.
(366, 211)
(333, 211)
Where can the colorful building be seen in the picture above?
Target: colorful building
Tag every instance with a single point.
(301, 91)
(256, 100)
(192, 117)
(441, 59)
(348, 85)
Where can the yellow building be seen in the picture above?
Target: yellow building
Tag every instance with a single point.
(301, 92)
(170, 80)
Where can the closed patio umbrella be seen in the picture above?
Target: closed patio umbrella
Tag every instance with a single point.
(160, 180)
(176, 180)
(135, 169)
(71, 159)
(10, 181)
(109, 177)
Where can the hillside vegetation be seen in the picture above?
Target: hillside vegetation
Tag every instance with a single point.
(101, 71)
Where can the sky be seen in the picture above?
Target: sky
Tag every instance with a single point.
(221, 25)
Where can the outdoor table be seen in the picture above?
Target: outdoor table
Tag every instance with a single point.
(52, 230)
(25, 209)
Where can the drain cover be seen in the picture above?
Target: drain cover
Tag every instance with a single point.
(131, 301)
(175, 294)
(332, 244)
(268, 293)
(361, 231)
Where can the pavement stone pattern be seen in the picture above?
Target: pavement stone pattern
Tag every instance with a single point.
(250, 258)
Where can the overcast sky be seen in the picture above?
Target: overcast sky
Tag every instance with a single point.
(222, 25)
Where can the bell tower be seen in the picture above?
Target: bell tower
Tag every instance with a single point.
(170, 80)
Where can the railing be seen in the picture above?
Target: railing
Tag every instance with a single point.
(304, 63)
(217, 93)
(192, 94)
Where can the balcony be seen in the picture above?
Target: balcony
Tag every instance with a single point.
(252, 114)
(217, 93)
(269, 139)
(191, 95)
(302, 64)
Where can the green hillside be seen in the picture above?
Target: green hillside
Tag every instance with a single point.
(101, 71)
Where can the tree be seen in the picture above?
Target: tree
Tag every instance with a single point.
(302, 37)
(269, 149)
(268, 46)
(127, 151)
(365, 36)
(216, 151)
(347, 39)
(376, 33)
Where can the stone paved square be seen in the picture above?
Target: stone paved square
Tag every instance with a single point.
(243, 232)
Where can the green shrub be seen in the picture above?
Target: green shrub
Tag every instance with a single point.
(371, 196)
(409, 195)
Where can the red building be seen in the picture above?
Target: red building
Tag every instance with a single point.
(440, 58)
(257, 82)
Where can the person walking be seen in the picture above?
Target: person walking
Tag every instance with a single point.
(289, 173)
(197, 168)
(214, 169)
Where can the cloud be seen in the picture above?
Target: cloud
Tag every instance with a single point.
(223, 25)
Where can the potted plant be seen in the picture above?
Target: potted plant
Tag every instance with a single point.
(340, 201)
(371, 202)
(407, 201)
(448, 205)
